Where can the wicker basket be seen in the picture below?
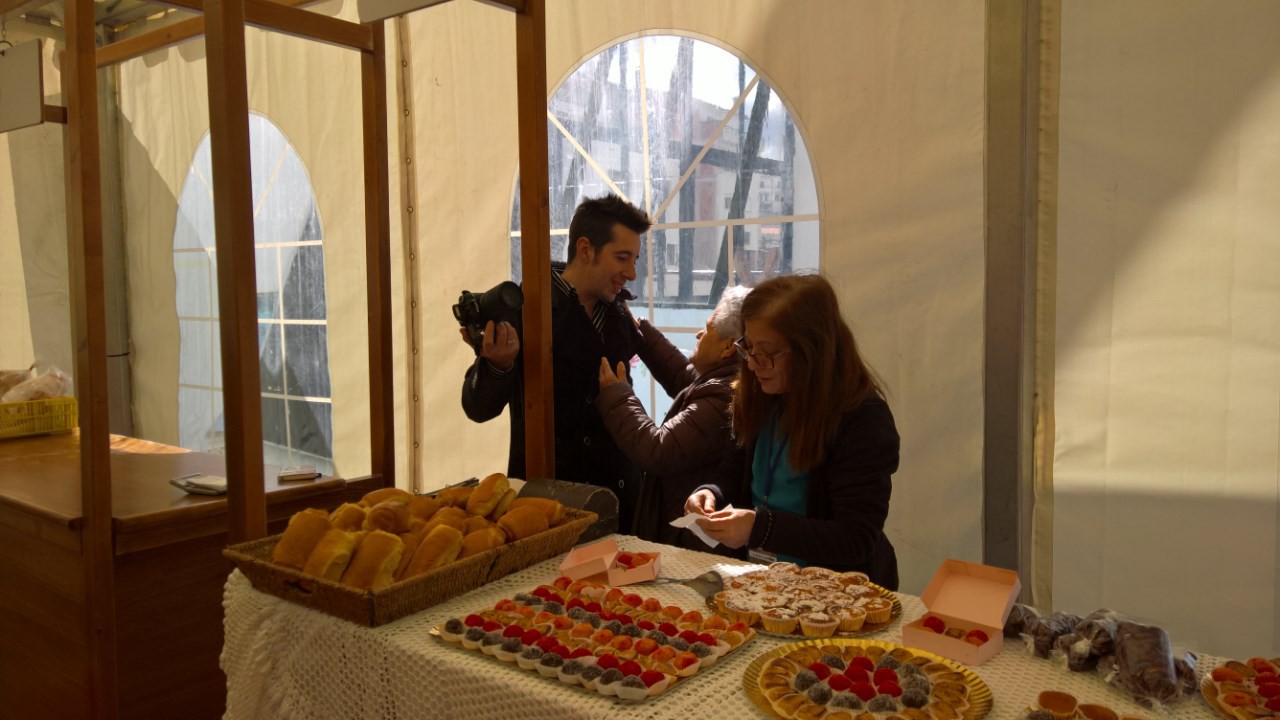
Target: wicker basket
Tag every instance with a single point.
(372, 609)
(37, 417)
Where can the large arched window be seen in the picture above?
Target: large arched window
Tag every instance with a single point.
(692, 134)
(297, 416)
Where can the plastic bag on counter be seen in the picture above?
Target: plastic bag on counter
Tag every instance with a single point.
(10, 378)
(53, 383)
(1144, 665)
(1019, 616)
(1042, 632)
(1093, 638)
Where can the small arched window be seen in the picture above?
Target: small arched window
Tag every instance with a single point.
(297, 415)
(693, 135)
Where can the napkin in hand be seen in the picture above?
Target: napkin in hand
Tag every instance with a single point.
(690, 521)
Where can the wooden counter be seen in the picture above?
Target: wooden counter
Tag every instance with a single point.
(169, 575)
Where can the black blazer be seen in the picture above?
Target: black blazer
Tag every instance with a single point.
(585, 452)
(848, 499)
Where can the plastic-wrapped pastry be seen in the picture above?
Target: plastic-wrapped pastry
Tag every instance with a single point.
(1144, 663)
(1019, 617)
(1044, 631)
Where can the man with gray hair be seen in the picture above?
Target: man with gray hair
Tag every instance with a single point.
(678, 455)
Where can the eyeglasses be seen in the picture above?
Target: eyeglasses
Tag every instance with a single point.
(764, 360)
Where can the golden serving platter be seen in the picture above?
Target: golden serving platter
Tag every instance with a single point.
(979, 697)
(866, 629)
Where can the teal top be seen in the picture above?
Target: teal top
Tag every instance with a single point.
(774, 483)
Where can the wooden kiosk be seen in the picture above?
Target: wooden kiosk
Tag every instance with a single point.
(111, 596)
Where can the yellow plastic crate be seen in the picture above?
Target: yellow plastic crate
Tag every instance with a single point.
(37, 417)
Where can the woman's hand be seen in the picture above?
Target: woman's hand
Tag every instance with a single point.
(607, 376)
(702, 502)
(730, 527)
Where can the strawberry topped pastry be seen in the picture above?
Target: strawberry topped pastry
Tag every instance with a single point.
(1248, 690)
(621, 645)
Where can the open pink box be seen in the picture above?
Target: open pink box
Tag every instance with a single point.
(598, 561)
(969, 596)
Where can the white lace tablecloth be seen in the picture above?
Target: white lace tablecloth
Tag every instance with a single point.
(286, 661)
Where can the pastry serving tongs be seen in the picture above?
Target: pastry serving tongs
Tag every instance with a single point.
(707, 584)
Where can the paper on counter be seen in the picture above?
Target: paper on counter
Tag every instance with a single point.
(690, 522)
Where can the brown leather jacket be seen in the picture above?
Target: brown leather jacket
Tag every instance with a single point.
(684, 450)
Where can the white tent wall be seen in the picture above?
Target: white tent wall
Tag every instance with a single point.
(35, 306)
(889, 98)
(1168, 350)
(311, 92)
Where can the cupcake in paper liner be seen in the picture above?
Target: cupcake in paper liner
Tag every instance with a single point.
(607, 683)
(571, 672)
(549, 664)
(529, 657)
(879, 610)
(508, 649)
(472, 637)
(453, 630)
(781, 620)
(851, 617)
(818, 624)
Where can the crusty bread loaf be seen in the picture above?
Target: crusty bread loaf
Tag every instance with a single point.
(348, 516)
(552, 509)
(474, 523)
(300, 538)
(389, 516)
(519, 523)
(481, 540)
(422, 507)
(503, 505)
(454, 517)
(384, 494)
(375, 561)
(487, 494)
(332, 554)
(454, 496)
(439, 548)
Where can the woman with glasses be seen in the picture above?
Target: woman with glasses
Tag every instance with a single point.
(678, 453)
(815, 444)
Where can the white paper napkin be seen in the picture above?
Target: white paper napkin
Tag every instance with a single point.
(690, 521)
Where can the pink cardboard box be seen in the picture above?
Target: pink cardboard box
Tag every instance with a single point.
(598, 561)
(969, 596)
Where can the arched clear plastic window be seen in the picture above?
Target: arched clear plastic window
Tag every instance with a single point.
(297, 408)
(694, 136)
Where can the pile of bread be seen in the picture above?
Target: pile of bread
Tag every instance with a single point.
(392, 535)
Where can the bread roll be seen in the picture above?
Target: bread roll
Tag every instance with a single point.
(374, 562)
(487, 494)
(454, 496)
(422, 507)
(300, 538)
(519, 523)
(348, 517)
(332, 555)
(553, 509)
(454, 517)
(503, 505)
(412, 540)
(439, 548)
(389, 516)
(384, 494)
(481, 540)
(474, 523)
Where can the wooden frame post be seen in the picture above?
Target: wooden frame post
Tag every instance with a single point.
(535, 231)
(89, 327)
(237, 293)
(377, 237)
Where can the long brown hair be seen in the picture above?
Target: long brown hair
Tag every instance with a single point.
(826, 375)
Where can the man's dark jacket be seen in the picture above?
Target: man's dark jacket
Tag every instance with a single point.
(584, 450)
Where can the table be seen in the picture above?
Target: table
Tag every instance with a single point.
(286, 661)
(168, 567)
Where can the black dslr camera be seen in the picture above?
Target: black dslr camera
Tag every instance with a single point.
(500, 303)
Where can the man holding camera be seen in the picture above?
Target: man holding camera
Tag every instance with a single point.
(589, 321)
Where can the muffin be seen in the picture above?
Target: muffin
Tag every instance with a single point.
(739, 610)
(879, 610)
(851, 617)
(779, 620)
(818, 624)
